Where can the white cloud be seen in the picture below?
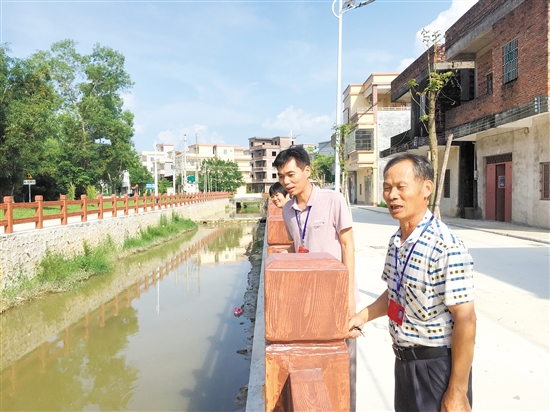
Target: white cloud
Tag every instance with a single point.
(312, 127)
(443, 21)
(404, 63)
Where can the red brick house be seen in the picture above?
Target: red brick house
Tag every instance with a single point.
(499, 166)
(508, 119)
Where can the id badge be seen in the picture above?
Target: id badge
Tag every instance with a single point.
(302, 249)
(396, 312)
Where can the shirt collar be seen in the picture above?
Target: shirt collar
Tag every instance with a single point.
(310, 201)
(416, 232)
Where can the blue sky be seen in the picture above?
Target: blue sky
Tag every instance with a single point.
(230, 70)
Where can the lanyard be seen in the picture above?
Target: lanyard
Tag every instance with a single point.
(302, 232)
(400, 275)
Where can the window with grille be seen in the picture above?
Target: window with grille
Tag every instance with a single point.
(545, 181)
(364, 139)
(510, 61)
(447, 184)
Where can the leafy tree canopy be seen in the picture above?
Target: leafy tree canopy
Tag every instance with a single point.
(223, 176)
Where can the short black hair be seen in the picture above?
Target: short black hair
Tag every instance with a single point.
(277, 188)
(299, 154)
(422, 167)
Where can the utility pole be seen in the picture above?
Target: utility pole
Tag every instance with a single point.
(197, 160)
(184, 177)
(156, 174)
(205, 178)
(174, 170)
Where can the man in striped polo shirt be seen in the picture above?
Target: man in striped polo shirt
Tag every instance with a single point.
(429, 297)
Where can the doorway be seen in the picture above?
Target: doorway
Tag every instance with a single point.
(498, 190)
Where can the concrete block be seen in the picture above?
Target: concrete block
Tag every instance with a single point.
(276, 232)
(284, 361)
(306, 297)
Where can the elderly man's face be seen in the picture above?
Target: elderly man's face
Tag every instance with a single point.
(407, 197)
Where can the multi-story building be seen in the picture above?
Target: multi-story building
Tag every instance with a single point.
(457, 195)
(263, 151)
(499, 164)
(368, 106)
(508, 121)
(172, 162)
(163, 157)
(231, 153)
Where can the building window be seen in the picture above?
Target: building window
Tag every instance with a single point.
(545, 181)
(447, 184)
(364, 139)
(273, 153)
(274, 175)
(490, 83)
(224, 151)
(510, 61)
(360, 189)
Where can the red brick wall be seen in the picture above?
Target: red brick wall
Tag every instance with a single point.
(529, 23)
(416, 68)
(470, 19)
(484, 65)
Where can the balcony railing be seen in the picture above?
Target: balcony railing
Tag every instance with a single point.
(537, 106)
(380, 108)
(414, 143)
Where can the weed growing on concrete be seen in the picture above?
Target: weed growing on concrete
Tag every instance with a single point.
(164, 229)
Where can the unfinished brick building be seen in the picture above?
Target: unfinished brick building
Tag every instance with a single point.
(500, 160)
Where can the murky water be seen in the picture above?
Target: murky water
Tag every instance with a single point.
(159, 334)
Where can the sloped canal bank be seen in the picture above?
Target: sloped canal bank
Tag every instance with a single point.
(158, 334)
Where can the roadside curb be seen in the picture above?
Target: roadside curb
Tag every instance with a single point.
(453, 222)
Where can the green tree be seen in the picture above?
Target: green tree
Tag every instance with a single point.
(27, 116)
(321, 169)
(223, 176)
(342, 133)
(95, 133)
(437, 80)
(139, 175)
(164, 184)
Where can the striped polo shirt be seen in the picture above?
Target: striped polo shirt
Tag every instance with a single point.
(439, 274)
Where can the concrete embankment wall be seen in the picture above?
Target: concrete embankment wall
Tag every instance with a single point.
(77, 304)
(22, 252)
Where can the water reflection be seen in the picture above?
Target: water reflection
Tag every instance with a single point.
(157, 335)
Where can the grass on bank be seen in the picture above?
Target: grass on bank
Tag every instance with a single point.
(56, 273)
(164, 229)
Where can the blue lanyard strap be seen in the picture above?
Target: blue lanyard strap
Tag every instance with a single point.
(302, 232)
(400, 275)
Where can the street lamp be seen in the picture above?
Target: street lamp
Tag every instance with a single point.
(156, 173)
(184, 177)
(347, 6)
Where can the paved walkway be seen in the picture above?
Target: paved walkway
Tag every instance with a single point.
(512, 263)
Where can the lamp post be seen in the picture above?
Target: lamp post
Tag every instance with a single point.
(184, 177)
(347, 6)
(156, 174)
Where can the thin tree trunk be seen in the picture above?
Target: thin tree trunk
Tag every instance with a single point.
(441, 179)
(432, 97)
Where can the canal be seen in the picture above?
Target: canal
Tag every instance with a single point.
(159, 333)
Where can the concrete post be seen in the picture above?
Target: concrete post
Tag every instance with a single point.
(39, 199)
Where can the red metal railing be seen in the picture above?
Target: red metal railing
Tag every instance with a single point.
(101, 205)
